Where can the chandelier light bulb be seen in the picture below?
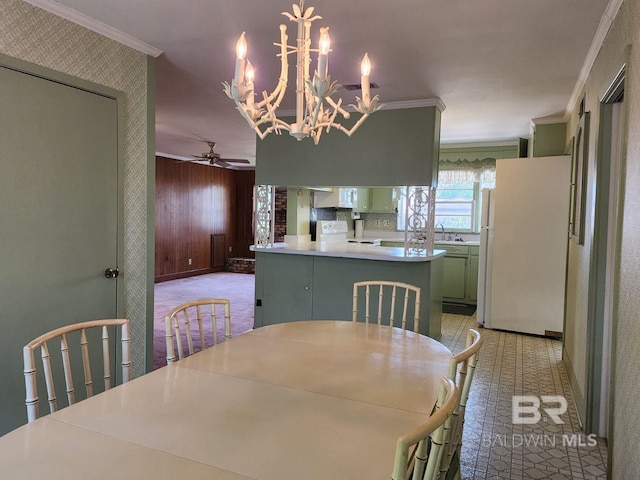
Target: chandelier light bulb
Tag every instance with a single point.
(323, 50)
(241, 47)
(366, 65)
(364, 80)
(325, 41)
(249, 73)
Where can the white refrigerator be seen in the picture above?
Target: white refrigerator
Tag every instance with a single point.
(523, 246)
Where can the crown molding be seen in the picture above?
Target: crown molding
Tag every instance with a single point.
(190, 159)
(425, 102)
(173, 157)
(548, 120)
(96, 26)
(496, 144)
(598, 39)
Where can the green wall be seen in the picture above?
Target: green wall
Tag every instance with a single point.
(86, 55)
(549, 140)
(392, 147)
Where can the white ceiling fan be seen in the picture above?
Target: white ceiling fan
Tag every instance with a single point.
(213, 158)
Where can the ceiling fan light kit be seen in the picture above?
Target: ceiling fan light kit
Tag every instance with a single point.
(316, 111)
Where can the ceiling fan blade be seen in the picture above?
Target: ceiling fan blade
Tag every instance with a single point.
(222, 163)
(199, 160)
(235, 160)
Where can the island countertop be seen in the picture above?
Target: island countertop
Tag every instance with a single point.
(351, 250)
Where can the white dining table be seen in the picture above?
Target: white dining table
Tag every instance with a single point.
(301, 400)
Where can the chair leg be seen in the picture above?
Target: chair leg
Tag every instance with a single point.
(454, 467)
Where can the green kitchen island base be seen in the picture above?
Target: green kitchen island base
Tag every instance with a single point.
(312, 284)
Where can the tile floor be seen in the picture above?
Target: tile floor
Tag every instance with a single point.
(493, 447)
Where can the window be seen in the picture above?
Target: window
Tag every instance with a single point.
(456, 206)
(458, 197)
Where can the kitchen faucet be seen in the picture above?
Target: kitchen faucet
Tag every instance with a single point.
(441, 229)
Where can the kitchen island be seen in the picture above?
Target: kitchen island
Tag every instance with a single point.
(314, 281)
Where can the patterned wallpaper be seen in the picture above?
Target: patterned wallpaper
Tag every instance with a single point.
(34, 35)
(625, 462)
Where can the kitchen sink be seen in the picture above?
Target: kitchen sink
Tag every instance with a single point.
(375, 242)
(456, 242)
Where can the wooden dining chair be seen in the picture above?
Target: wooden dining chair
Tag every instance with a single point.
(188, 316)
(419, 451)
(398, 297)
(461, 369)
(78, 330)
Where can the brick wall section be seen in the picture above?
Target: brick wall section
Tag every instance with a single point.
(240, 265)
(280, 223)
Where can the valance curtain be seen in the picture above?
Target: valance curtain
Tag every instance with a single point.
(468, 171)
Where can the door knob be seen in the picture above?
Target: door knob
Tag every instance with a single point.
(111, 272)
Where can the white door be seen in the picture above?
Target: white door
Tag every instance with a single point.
(58, 217)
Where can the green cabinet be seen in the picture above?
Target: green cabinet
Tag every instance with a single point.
(291, 287)
(286, 286)
(472, 275)
(460, 273)
(388, 243)
(453, 277)
(363, 200)
(382, 200)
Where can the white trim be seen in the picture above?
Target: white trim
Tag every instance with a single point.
(598, 39)
(499, 143)
(174, 157)
(548, 120)
(611, 264)
(244, 166)
(95, 25)
(425, 102)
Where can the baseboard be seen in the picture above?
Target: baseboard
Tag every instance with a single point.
(191, 273)
(575, 388)
(458, 308)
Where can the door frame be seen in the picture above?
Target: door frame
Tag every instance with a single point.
(605, 258)
(95, 88)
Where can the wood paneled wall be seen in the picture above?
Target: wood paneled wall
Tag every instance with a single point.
(194, 203)
(245, 180)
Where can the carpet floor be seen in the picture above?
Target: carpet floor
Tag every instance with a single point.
(238, 288)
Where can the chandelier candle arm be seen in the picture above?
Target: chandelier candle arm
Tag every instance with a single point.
(249, 74)
(241, 52)
(323, 55)
(284, 73)
(313, 115)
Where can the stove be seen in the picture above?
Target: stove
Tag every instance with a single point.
(331, 231)
(335, 231)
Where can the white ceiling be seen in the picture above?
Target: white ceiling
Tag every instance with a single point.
(495, 64)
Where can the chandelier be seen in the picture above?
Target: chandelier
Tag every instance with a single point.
(316, 111)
